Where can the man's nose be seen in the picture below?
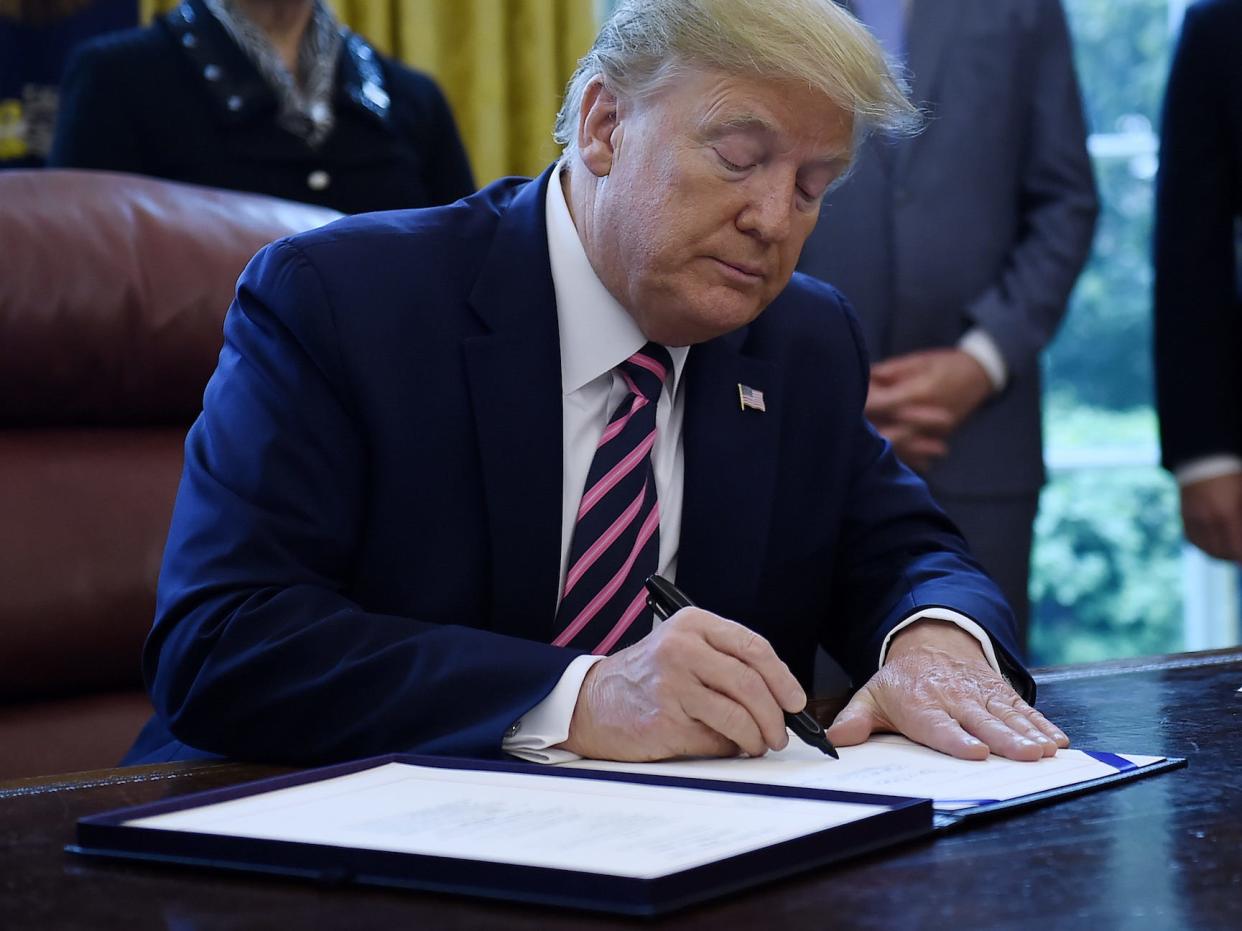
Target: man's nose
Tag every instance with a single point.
(768, 211)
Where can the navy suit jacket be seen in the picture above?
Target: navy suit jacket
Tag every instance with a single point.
(140, 101)
(1198, 241)
(365, 547)
(983, 219)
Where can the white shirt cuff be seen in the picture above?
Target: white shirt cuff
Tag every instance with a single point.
(983, 349)
(533, 737)
(1200, 470)
(944, 614)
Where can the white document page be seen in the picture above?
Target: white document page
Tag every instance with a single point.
(888, 764)
(591, 825)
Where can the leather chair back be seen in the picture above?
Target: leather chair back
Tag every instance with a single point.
(113, 290)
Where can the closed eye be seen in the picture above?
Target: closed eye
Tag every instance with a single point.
(731, 166)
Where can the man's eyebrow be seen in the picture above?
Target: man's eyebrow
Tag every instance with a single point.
(758, 126)
(745, 123)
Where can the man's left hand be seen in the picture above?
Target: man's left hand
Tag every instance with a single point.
(937, 688)
(919, 399)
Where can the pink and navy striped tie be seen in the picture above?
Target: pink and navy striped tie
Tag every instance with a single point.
(616, 541)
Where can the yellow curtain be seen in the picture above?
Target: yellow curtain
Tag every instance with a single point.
(502, 64)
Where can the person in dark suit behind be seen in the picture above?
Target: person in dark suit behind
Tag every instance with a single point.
(444, 448)
(959, 248)
(1198, 293)
(269, 96)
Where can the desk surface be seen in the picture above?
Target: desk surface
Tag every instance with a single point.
(1164, 852)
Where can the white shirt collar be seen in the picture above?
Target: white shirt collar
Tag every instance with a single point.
(597, 333)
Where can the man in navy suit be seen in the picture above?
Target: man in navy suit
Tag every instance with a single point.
(959, 247)
(1198, 241)
(443, 449)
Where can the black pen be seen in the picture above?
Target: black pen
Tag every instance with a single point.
(666, 599)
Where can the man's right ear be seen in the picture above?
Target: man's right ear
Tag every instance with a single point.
(597, 128)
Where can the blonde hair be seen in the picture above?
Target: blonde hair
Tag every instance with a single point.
(646, 43)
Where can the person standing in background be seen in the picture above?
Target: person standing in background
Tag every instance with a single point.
(270, 96)
(959, 248)
(1198, 299)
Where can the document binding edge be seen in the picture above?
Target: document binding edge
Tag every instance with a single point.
(946, 821)
(107, 835)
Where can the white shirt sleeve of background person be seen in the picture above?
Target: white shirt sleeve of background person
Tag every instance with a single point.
(1200, 470)
(983, 349)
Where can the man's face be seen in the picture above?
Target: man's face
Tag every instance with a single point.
(707, 193)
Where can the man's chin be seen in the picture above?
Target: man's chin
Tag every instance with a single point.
(691, 330)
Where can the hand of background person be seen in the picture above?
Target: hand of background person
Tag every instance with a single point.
(919, 399)
(698, 685)
(1212, 515)
(937, 688)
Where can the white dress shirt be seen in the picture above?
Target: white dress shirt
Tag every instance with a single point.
(597, 334)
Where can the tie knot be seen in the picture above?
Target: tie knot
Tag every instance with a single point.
(647, 370)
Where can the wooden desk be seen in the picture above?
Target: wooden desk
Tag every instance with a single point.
(1165, 852)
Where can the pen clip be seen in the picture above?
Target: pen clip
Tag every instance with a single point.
(665, 598)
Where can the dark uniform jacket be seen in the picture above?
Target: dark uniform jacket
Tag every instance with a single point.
(181, 100)
(1198, 241)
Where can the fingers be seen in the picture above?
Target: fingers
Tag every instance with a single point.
(948, 380)
(1218, 535)
(915, 450)
(1046, 727)
(750, 687)
(752, 650)
(899, 368)
(730, 723)
(927, 419)
(1005, 724)
(936, 728)
(1212, 515)
(1004, 731)
(884, 400)
(1011, 729)
(699, 685)
(856, 721)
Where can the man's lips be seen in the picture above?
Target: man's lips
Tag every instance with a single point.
(741, 269)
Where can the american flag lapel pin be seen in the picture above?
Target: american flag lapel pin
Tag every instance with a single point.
(750, 398)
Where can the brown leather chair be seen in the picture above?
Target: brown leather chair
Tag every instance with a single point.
(113, 290)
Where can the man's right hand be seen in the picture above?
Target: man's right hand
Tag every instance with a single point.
(919, 399)
(698, 685)
(1212, 515)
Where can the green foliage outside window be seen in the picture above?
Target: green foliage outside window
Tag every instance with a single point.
(1106, 573)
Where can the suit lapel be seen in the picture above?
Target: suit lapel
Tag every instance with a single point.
(930, 33)
(514, 376)
(730, 475)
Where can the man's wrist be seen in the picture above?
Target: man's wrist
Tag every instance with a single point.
(934, 633)
(578, 725)
(538, 735)
(967, 625)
